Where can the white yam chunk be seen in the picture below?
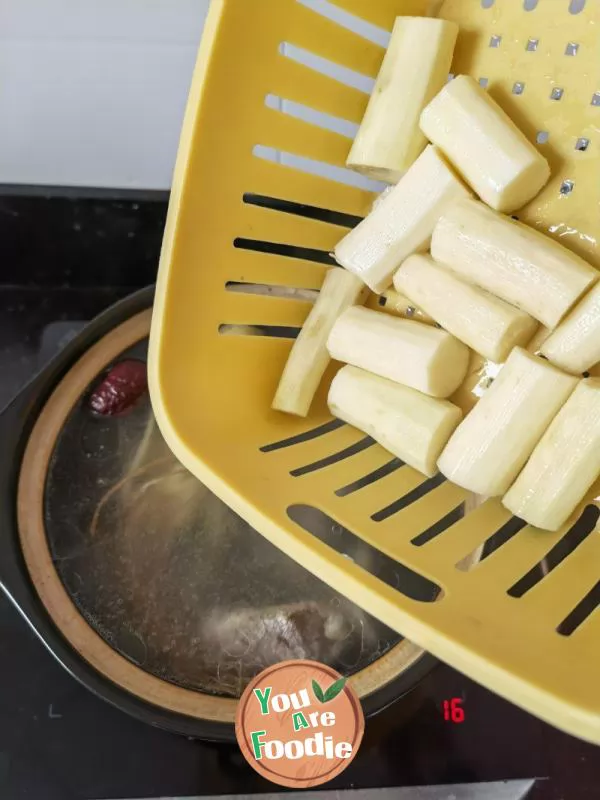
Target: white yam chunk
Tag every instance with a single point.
(564, 465)
(507, 258)
(485, 323)
(308, 357)
(417, 355)
(402, 221)
(488, 450)
(575, 344)
(411, 425)
(484, 145)
(414, 69)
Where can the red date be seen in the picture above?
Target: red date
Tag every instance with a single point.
(120, 389)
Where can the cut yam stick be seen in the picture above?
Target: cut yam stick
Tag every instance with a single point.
(309, 358)
(535, 345)
(516, 263)
(575, 344)
(489, 449)
(414, 69)
(564, 465)
(417, 355)
(402, 222)
(381, 197)
(484, 145)
(411, 425)
(485, 323)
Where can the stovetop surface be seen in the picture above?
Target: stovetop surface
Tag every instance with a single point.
(65, 260)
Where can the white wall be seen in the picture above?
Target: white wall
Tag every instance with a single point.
(92, 92)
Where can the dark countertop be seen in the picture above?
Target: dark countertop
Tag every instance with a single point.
(64, 260)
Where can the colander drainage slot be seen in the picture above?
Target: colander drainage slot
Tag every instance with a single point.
(286, 250)
(577, 534)
(352, 450)
(373, 33)
(320, 119)
(305, 436)
(302, 210)
(494, 542)
(269, 331)
(576, 6)
(408, 499)
(581, 612)
(346, 543)
(440, 526)
(322, 169)
(372, 477)
(337, 72)
(272, 290)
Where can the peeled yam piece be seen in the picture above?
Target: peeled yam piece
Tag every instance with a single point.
(381, 197)
(484, 145)
(414, 69)
(507, 258)
(488, 450)
(575, 344)
(309, 358)
(564, 465)
(486, 324)
(417, 355)
(411, 425)
(402, 222)
(535, 344)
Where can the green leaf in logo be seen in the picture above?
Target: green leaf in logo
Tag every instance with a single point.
(318, 692)
(334, 689)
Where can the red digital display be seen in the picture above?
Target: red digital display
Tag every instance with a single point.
(453, 710)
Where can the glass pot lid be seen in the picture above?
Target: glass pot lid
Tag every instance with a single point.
(149, 575)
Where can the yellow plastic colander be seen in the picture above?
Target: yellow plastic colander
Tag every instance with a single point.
(278, 90)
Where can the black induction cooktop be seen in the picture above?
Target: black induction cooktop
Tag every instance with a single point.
(65, 258)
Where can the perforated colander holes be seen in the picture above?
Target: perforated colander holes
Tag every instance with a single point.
(566, 187)
(581, 144)
(575, 6)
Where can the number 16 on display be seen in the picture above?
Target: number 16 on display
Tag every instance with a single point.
(453, 710)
